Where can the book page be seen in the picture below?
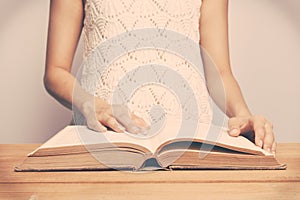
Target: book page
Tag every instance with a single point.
(207, 133)
(211, 134)
(81, 135)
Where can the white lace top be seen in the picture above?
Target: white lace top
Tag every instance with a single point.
(105, 19)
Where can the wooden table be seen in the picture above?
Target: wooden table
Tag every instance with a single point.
(201, 184)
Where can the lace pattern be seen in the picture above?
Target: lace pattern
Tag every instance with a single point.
(105, 19)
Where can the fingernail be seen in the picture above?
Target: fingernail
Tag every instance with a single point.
(103, 129)
(144, 131)
(121, 127)
(269, 150)
(273, 151)
(260, 143)
(135, 129)
(234, 131)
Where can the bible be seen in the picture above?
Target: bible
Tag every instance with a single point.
(79, 148)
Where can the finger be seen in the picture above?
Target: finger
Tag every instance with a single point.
(127, 122)
(258, 125)
(123, 116)
(134, 129)
(139, 121)
(93, 123)
(269, 137)
(274, 147)
(96, 126)
(111, 122)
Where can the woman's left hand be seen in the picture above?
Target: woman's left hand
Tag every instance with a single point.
(262, 128)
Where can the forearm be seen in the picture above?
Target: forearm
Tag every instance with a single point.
(65, 26)
(235, 104)
(224, 90)
(221, 83)
(61, 84)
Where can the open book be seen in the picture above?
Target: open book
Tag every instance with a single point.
(78, 148)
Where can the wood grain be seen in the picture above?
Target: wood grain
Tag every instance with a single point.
(151, 191)
(11, 155)
(234, 184)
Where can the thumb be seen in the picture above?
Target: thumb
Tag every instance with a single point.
(234, 132)
(234, 125)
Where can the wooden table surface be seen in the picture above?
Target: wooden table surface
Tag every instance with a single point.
(198, 184)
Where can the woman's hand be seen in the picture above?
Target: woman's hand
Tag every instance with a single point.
(65, 27)
(263, 130)
(100, 115)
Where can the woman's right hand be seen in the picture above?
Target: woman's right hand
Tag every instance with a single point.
(100, 115)
(65, 27)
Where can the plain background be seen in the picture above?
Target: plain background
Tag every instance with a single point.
(265, 57)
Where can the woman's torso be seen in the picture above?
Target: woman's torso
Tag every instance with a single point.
(106, 19)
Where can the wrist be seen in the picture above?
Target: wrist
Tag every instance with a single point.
(243, 112)
(83, 101)
(91, 104)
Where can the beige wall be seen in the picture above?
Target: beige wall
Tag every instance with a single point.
(265, 49)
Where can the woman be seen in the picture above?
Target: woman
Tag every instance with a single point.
(69, 17)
